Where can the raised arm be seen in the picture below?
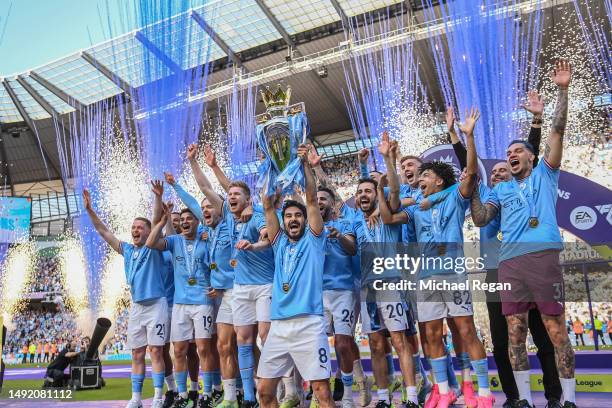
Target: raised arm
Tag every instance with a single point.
(482, 214)
(272, 224)
(362, 157)
(155, 239)
(458, 146)
(535, 106)
(169, 228)
(315, 162)
(158, 191)
(104, 232)
(386, 215)
(466, 186)
(211, 161)
(203, 182)
(553, 151)
(387, 149)
(315, 221)
(187, 199)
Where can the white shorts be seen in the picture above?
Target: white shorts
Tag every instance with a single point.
(299, 342)
(251, 304)
(440, 304)
(339, 312)
(223, 308)
(389, 314)
(147, 323)
(190, 319)
(169, 327)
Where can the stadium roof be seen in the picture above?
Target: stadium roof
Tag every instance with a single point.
(247, 36)
(230, 26)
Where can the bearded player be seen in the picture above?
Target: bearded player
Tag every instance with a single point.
(297, 335)
(380, 312)
(222, 273)
(193, 310)
(531, 242)
(440, 235)
(253, 263)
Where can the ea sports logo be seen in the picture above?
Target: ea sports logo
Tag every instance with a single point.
(583, 217)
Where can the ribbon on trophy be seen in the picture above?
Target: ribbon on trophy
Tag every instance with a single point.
(280, 130)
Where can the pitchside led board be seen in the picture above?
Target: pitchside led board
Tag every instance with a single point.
(14, 219)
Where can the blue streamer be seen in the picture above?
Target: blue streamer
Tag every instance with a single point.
(490, 59)
(381, 84)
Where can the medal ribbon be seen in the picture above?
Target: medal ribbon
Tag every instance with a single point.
(233, 232)
(289, 259)
(528, 200)
(377, 232)
(436, 224)
(190, 257)
(133, 262)
(215, 235)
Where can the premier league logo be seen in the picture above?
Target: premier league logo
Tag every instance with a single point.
(446, 154)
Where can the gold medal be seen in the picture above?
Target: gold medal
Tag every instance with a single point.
(213, 265)
(534, 222)
(192, 281)
(204, 236)
(499, 236)
(233, 263)
(286, 287)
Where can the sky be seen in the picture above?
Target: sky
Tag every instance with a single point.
(35, 32)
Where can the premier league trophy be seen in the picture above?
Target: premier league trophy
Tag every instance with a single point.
(280, 130)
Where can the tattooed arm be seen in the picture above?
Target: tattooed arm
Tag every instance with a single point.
(482, 214)
(561, 76)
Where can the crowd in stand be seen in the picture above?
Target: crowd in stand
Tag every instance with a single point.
(117, 344)
(46, 278)
(37, 335)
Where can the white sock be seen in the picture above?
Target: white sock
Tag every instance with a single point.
(383, 395)
(289, 384)
(170, 383)
(194, 386)
(158, 393)
(466, 375)
(411, 393)
(443, 387)
(484, 392)
(569, 389)
(229, 389)
(524, 386)
(358, 371)
(183, 395)
(137, 396)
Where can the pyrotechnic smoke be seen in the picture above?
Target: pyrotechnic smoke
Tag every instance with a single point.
(73, 272)
(488, 58)
(114, 285)
(17, 274)
(589, 113)
(385, 92)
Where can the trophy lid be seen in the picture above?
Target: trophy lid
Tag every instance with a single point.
(276, 102)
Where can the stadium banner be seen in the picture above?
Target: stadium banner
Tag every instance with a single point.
(584, 208)
(14, 219)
